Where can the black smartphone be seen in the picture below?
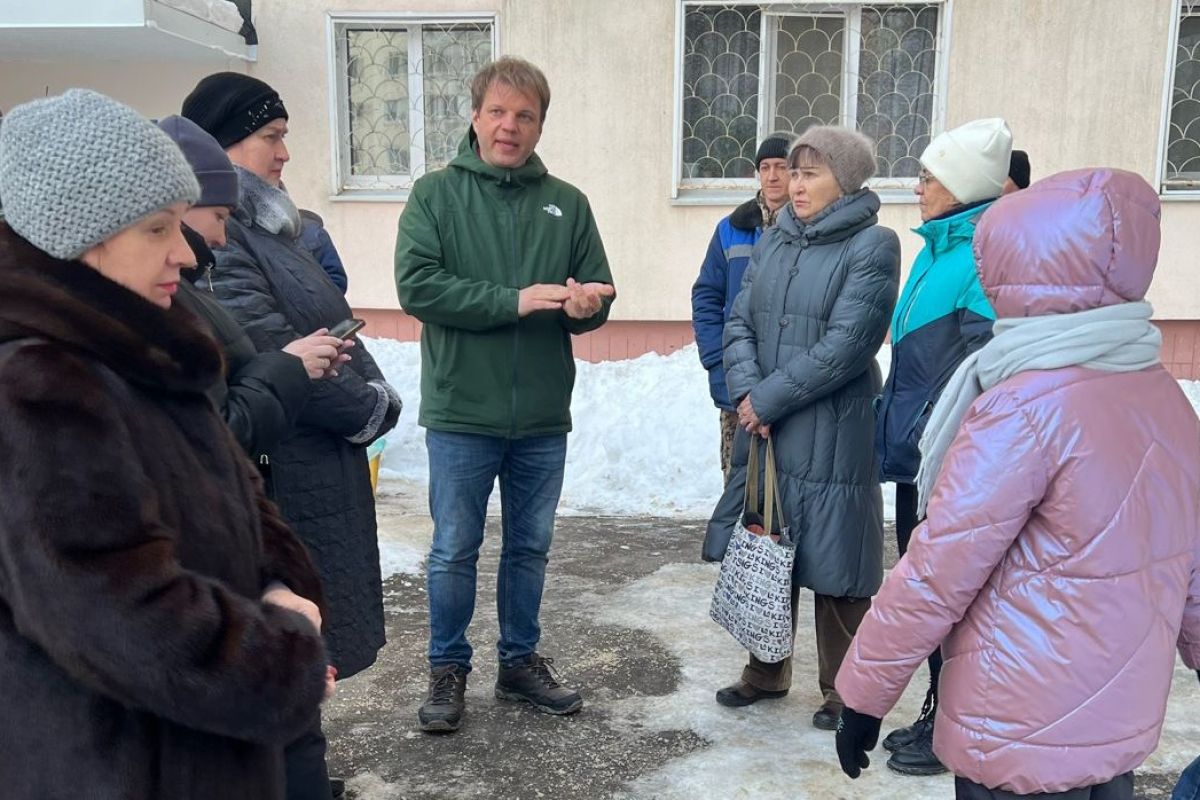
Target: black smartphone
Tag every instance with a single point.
(347, 328)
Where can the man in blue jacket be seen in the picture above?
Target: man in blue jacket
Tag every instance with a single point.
(723, 268)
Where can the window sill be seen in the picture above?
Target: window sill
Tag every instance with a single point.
(1190, 196)
(371, 196)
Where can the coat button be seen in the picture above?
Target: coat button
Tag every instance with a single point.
(783, 323)
(793, 271)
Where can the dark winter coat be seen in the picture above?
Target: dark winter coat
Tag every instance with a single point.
(261, 393)
(717, 286)
(274, 287)
(136, 659)
(811, 315)
(471, 237)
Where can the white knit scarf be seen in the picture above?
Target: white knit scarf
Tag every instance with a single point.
(1118, 338)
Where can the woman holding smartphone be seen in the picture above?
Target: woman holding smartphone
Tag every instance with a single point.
(146, 650)
(271, 283)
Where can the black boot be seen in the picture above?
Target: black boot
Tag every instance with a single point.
(744, 694)
(532, 680)
(903, 737)
(826, 718)
(443, 709)
(917, 758)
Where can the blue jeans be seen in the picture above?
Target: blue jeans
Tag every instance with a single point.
(1188, 787)
(463, 468)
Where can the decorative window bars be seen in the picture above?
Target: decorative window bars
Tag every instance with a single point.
(1182, 163)
(403, 95)
(751, 69)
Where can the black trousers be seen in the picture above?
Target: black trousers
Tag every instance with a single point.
(1119, 788)
(304, 761)
(906, 523)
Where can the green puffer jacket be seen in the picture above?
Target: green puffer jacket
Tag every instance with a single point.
(471, 236)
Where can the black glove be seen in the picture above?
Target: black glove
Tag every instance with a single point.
(1198, 674)
(856, 734)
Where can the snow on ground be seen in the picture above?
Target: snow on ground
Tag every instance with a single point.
(646, 436)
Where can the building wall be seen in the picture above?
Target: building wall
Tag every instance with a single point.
(1078, 90)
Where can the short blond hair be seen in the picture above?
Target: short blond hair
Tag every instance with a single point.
(515, 72)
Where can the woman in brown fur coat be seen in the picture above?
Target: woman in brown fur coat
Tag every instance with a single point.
(155, 639)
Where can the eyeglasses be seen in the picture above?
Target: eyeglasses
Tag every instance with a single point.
(924, 178)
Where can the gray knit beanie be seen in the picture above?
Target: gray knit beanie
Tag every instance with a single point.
(79, 167)
(849, 154)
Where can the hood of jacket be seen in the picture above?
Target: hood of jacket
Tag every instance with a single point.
(69, 303)
(1071, 242)
(468, 159)
(840, 220)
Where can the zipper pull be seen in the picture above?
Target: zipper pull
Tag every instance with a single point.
(208, 275)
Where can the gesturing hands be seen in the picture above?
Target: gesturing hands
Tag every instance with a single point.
(748, 419)
(577, 300)
(586, 298)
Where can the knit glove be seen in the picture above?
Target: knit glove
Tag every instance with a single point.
(856, 734)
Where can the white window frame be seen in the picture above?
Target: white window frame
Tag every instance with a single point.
(735, 190)
(344, 185)
(1167, 96)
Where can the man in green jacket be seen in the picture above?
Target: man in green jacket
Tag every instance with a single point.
(502, 263)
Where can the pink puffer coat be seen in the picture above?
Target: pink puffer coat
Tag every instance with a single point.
(1058, 565)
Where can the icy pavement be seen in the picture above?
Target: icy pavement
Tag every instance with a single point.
(625, 615)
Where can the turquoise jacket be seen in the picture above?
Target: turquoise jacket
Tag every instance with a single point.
(942, 316)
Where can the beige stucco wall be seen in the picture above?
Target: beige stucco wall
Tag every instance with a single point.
(1077, 91)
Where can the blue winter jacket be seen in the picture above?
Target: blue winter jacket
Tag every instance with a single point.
(316, 240)
(941, 318)
(718, 284)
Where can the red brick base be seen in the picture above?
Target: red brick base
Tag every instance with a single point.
(627, 339)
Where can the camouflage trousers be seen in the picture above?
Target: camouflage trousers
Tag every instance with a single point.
(729, 425)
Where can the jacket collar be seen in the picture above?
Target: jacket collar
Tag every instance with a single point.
(842, 219)
(748, 216)
(69, 303)
(944, 232)
(468, 159)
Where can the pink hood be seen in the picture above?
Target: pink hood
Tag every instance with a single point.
(1058, 564)
(1074, 241)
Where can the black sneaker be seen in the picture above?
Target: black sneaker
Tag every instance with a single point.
(533, 681)
(903, 737)
(917, 758)
(443, 709)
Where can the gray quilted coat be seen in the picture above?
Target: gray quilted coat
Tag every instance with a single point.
(275, 288)
(812, 312)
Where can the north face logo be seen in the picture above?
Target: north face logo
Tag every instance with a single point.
(552, 210)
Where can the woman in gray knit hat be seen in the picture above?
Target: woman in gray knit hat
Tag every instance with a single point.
(147, 649)
(800, 350)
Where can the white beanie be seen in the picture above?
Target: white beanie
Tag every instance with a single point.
(972, 160)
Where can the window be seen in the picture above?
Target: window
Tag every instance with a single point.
(403, 96)
(750, 69)
(1181, 170)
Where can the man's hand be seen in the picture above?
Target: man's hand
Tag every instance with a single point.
(320, 353)
(277, 594)
(541, 297)
(586, 299)
(856, 734)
